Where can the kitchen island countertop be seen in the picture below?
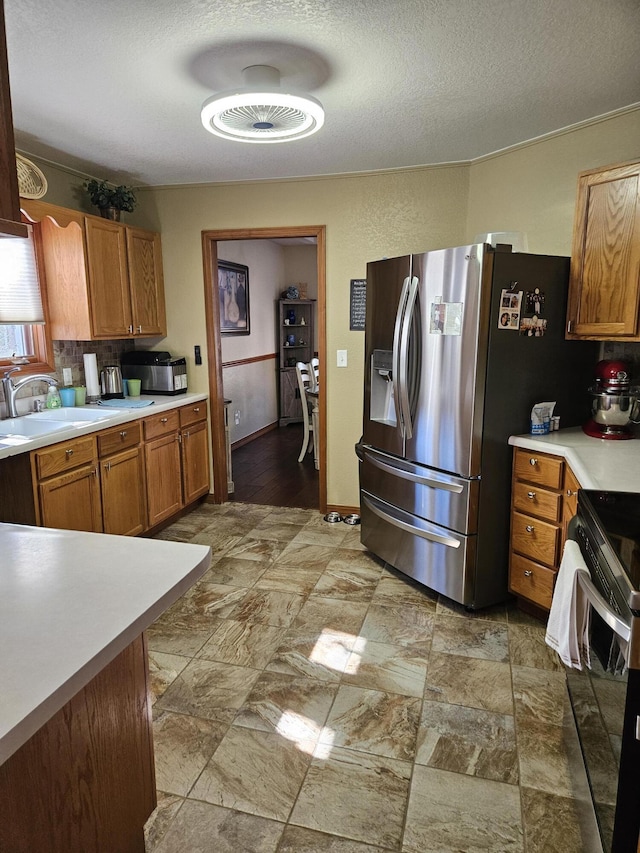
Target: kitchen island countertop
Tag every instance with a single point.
(597, 463)
(70, 602)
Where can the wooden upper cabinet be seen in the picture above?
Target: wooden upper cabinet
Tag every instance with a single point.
(104, 279)
(10, 222)
(146, 282)
(604, 289)
(108, 279)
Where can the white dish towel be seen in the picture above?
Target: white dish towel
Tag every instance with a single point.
(569, 619)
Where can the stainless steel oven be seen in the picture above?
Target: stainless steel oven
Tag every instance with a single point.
(606, 698)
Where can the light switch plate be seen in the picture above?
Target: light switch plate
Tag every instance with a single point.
(342, 358)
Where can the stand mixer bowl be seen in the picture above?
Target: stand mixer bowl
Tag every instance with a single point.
(616, 405)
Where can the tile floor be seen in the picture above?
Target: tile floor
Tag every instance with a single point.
(306, 698)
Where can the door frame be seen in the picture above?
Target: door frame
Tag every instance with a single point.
(210, 241)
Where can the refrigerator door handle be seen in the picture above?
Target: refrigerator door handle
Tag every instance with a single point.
(397, 331)
(408, 473)
(403, 378)
(424, 531)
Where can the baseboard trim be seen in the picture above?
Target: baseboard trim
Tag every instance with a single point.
(249, 438)
(343, 510)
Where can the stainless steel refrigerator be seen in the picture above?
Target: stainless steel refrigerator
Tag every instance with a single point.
(459, 345)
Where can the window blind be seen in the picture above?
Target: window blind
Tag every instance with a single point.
(20, 300)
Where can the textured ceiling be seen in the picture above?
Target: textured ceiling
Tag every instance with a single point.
(115, 88)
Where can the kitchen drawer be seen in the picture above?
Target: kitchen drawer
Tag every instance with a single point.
(118, 438)
(537, 501)
(161, 424)
(192, 414)
(534, 538)
(538, 468)
(531, 581)
(64, 456)
(570, 489)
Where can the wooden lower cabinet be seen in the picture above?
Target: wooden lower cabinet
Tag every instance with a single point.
(164, 483)
(66, 483)
(122, 489)
(195, 461)
(122, 480)
(176, 460)
(543, 501)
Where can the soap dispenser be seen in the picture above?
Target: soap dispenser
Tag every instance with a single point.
(53, 398)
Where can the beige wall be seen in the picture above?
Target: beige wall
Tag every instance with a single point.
(530, 189)
(366, 217)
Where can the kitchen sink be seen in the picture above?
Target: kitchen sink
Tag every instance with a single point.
(71, 414)
(27, 427)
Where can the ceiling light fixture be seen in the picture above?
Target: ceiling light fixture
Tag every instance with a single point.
(260, 111)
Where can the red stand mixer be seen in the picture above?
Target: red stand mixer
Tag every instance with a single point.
(616, 405)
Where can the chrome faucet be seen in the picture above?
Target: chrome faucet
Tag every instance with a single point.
(11, 388)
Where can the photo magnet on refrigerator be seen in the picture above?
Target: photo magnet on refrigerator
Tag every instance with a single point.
(510, 306)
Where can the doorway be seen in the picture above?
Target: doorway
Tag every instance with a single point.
(210, 241)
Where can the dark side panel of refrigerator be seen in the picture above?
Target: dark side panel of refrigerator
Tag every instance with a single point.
(452, 371)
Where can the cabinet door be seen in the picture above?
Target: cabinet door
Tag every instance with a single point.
(195, 461)
(108, 279)
(146, 282)
(72, 501)
(164, 487)
(604, 289)
(123, 493)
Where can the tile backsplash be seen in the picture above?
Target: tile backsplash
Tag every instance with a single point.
(69, 354)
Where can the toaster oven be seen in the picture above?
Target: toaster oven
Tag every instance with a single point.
(159, 372)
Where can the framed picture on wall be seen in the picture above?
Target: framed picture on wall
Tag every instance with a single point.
(233, 294)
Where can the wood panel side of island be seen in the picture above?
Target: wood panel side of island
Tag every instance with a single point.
(85, 781)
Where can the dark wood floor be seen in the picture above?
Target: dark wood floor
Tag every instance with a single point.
(267, 471)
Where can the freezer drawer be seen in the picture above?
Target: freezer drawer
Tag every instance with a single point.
(434, 556)
(441, 498)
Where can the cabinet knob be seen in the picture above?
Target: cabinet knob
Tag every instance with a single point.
(163, 420)
(123, 433)
(196, 409)
(531, 495)
(68, 453)
(529, 528)
(533, 461)
(571, 494)
(527, 573)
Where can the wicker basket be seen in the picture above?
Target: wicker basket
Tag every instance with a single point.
(31, 181)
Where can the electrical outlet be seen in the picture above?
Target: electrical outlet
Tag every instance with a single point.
(342, 358)
(236, 417)
(67, 376)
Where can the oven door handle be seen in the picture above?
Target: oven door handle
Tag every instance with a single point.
(598, 603)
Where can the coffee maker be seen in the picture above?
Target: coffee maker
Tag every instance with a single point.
(615, 405)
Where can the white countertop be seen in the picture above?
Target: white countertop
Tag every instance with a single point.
(70, 602)
(597, 463)
(116, 417)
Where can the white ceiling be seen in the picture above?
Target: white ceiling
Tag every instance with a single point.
(114, 88)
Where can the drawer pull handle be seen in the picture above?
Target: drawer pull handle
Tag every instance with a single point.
(123, 433)
(68, 453)
(529, 528)
(196, 409)
(533, 461)
(163, 420)
(531, 495)
(527, 573)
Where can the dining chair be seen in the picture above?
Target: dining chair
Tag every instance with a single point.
(314, 370)
(304, 384)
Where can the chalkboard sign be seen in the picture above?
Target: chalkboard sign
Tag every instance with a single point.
(358, 304)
